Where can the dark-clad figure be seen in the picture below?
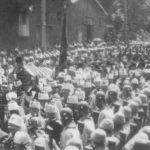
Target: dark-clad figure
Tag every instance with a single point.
(23, 74)
(3, 102)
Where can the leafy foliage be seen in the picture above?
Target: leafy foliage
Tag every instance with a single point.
(137, 16)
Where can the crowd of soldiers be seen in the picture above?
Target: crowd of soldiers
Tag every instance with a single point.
(99, 101)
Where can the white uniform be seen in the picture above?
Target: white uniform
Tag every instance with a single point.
(22, 138)
(89, 127)
(42, 141)
(69, 132)
(106, 113)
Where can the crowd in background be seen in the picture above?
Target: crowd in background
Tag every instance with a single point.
(98, 101)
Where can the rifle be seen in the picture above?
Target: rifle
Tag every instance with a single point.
(145, 108)
(117, 106)
(80, 126)
(111, 144)
(95, 116)
(137, 120)
(123, 138)
(49, 130)
(133, 129)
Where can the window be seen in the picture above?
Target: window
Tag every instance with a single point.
(89, 27)
(89, 21)
(24, 25)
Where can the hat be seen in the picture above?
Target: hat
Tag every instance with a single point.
(81, 83)
(146, 91)
(88, 84)
(12, 105)
(137, 100)
(11, 96)
(43, 96)
(47, 88)
(35, 105)
(49, 108)
(98, 136)
(127, 112)
(65, 87)
(143, 98)
(21, 137)
(83, 106)
(100, 93)
(68, 78)
(107, 124)
(75, 142)
(36, 122)
(134, 81)
(97, 80)
(80, 94)
(66, 113)
(15, 120)
(113, 88)
(73, 99)
(134, 106)
(119, 118)
(70, 147)
(127, 87)
(111, 76)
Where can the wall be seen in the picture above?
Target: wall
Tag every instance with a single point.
(76, 15)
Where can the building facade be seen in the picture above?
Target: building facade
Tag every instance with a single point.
(21, 22)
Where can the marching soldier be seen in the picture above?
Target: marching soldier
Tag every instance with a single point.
(98, 102)
(135, 86)
(108, 111)
(128, 116)
(108, 126)
(85, 117)
(98, 138)
(53, 122)
(112, 93)
(70, 129)
(126, 94)
(119, 121)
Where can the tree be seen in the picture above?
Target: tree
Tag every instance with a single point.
(137, 16)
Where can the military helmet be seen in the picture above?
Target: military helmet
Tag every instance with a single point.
(66, 114)
(100, 94)
(83, 107)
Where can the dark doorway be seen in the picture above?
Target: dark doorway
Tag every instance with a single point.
(89, 33)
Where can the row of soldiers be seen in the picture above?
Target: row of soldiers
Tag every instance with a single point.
(79, 108)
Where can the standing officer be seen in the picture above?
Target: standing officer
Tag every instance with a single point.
(23, 74)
